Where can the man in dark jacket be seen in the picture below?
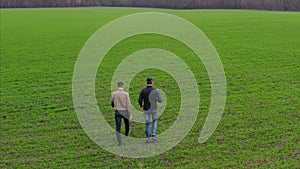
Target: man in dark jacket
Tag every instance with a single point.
(149, 96)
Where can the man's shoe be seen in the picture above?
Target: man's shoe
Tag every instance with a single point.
(128, 134)
(154, 137)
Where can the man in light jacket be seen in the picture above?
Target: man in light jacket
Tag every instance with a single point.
(120, 101)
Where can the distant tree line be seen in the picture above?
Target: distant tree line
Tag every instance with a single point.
(282, 5)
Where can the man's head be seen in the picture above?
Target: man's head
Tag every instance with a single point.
(149, 81)
(120, 84)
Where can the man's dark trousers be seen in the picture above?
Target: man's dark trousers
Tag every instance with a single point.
(119, 115)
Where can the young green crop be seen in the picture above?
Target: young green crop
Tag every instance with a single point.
(260, 52)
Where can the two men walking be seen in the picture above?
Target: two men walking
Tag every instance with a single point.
(149, 96)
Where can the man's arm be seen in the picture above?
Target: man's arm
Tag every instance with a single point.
(159, 98)
(128, 104)
(141, 99)
(112, 101)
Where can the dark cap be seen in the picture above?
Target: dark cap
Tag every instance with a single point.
(120, 83)
(149, 80)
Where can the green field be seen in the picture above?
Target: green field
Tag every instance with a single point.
(260, 52)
